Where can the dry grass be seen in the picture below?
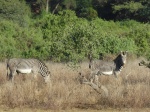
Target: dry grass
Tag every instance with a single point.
(130, 90)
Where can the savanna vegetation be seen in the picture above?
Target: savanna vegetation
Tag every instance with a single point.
(67, 31)
(41, 30)
(130, 92)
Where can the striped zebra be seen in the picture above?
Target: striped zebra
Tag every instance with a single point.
(143, 63)
(101, 67)
(26, 66)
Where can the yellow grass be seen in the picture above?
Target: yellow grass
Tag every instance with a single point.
(130, 90)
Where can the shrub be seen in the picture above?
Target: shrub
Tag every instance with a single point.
(16, 11)
(65, 37)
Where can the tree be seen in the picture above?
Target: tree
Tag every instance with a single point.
(47, 6)
(15, 10)
(144, 13)
(69, 4)
(138, 10)
(85, 9)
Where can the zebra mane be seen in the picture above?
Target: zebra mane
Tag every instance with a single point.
(42, 62)
(118, 62)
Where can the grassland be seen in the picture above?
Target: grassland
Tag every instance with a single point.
(130, 92)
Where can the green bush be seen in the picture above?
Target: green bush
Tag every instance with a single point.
(140, 33)
(71, 38)
(89, 13)
(7, 41)
(16, 11)
(65, 37)
(21, 42)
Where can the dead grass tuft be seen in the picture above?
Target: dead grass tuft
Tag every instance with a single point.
(131, 89)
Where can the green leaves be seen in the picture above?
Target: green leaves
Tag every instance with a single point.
(137, 10)
(65, 37)
(130, 6)
(71, 38)
(15, 10)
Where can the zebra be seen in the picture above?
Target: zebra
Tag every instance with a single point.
(143, 63)
(101, 67)
(26, 66)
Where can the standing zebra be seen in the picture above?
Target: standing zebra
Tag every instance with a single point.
(26, 66)
(101, 67)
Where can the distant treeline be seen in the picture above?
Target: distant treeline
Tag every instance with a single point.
(107, 9)
(65, 36)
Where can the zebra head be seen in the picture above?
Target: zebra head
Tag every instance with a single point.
(120, 61)
(47, 77)
(123, 57)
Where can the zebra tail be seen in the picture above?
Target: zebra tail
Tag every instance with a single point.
(7, 68)
(90, 60)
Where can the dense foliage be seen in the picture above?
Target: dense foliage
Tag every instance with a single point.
(15, 10)
(66, 37)
(107, 9)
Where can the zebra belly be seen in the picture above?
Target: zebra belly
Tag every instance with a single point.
(24, 70)
(108, 73)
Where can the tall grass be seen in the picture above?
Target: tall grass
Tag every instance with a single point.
(131, 89)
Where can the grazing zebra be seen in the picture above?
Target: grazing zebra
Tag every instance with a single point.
(101, 67)
(143, 63)
(26, 66)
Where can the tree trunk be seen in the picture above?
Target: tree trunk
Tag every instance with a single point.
(47, 6)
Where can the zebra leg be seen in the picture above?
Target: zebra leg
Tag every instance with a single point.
(94, 78)
(11, 75)
(35, 75)
(91, 77)
(97, 80)
(115, 75)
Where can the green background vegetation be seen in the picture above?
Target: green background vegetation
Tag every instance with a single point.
(69, 31)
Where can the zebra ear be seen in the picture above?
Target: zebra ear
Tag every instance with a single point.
(124, 52)
(121, 52)
(48, 72)
(80, 73)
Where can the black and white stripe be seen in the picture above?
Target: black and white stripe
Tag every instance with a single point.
(101, 67)
(43, 69)
(26, 66)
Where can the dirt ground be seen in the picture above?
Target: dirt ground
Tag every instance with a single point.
(5, 109)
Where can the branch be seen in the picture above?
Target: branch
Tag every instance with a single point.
(55, 8)
(96, 87)
(47, 6)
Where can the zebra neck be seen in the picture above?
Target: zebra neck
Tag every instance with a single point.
(118, 63)
(92, 65)
(118, 71)
(43, 69)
